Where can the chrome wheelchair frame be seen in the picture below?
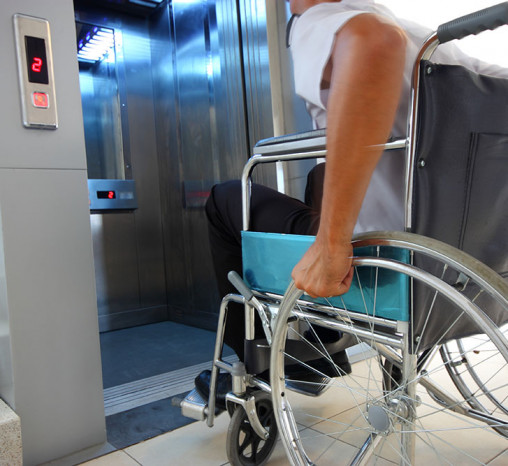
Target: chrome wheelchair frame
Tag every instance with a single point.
(396, 409)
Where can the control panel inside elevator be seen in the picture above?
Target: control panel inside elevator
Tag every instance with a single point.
(35, 72)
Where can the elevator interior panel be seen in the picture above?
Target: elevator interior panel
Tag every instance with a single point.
(118, 112)
(98, 79)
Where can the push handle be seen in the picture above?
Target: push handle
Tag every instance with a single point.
(474, 23)
(240, 285)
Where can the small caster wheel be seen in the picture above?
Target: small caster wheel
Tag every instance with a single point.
(244, 447)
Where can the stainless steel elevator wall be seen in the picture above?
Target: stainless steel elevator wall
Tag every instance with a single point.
(195, 94)
(203, 138)
(128, 246)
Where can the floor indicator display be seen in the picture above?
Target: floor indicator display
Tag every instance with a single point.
(35, 70)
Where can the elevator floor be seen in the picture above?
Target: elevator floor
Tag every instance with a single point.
(144, 369)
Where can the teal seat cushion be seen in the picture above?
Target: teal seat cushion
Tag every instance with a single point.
(269, 258)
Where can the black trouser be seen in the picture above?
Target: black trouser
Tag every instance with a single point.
(272, 212)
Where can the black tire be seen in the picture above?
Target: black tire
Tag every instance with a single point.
(244, 447)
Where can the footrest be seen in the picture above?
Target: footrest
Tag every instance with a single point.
(193, 406)
(314, 387)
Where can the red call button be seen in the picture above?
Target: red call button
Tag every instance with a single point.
(40, 99)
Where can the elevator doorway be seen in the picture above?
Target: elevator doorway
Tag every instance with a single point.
(173, 107)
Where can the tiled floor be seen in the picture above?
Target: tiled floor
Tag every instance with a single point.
(183, 446)
(196, 444)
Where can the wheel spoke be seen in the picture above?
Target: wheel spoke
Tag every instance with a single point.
(386, 394)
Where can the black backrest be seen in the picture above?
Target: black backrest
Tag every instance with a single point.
(461, 174)
(461, 183)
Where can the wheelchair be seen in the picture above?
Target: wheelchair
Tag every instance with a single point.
(425, 323)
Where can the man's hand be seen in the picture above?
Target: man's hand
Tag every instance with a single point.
(323, 272)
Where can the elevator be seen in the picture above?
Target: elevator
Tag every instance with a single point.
(173, 108)
(102, 222)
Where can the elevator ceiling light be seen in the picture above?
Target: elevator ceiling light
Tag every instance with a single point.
(149, 3)
(96, 45)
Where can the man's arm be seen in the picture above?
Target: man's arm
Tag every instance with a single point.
(365, 75)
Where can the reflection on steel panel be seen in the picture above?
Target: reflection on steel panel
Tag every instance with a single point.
(98, 80)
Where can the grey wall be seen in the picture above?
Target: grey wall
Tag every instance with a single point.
(50, 371)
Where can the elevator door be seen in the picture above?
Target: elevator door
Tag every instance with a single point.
(203, 139)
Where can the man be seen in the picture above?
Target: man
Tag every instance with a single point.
(353, 61)
(361, 73)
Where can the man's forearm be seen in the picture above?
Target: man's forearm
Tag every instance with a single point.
(365, 77)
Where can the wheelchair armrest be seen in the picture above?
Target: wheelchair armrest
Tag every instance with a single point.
(296, 142)
(306, 141)
(298, 146)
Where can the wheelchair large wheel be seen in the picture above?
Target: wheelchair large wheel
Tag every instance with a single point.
(244, 447)
(431, 389)
(466, 369)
